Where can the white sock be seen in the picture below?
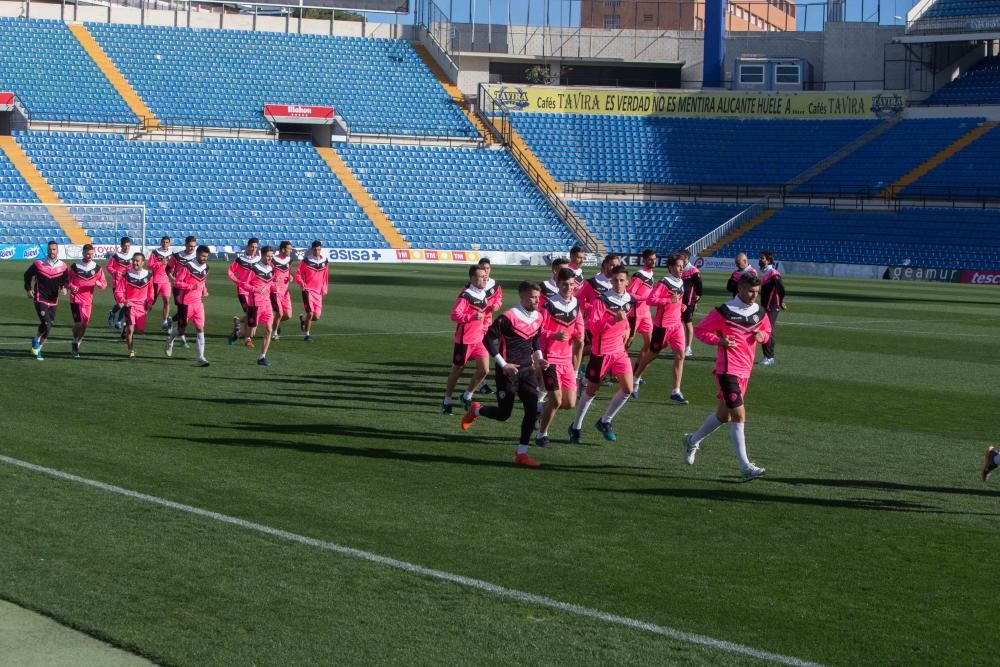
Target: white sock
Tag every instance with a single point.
(581, 409)
(200, 338)
(739, 444)
(544, 434)
(466, 395)
(522, 449)
(260, 357)
(996, 458)
(615, 406)
(447, 400)
(707, 429)
(676, 390)
(76, 341)
(172, 336)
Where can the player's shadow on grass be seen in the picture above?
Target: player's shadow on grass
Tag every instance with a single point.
(883, 485)
(353, 431)
(741, 496)
(875, 298)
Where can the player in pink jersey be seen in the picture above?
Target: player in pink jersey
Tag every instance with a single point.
(313, 276)
(469, 315)
(742, 268)
(577, 256)
(640, 286)
(551, 286)
(177, 260)
(735, 328)
(693, 288)
(772, 298)
(134, 294)
(562, 333)
(83, 278)
(668, 329)
(608, 327)
(494, 293)
(43, 281)
(192, 277)
(157, 265)
(991, 461)
(258, 285)
(281, 301)
(117, 266)
(589, 291)
(238, 270)
(513, 342)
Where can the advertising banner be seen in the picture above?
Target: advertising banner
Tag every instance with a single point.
(980, 277)
(6, 101)
(299, 113)
(16, 251)
(922, 274)
(546, 99)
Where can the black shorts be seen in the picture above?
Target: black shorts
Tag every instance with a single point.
(244, 304)
(658, 340)
(251, 315)
(74, 310)
(524, 384)
(687, 315)
(730, 389)
(45, 312)
(550, 378)
(182, 315)
(594, 368)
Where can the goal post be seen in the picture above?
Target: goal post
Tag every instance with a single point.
(105, 224)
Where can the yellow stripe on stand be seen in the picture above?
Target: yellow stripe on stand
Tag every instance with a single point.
(364, 200)
(44, 191)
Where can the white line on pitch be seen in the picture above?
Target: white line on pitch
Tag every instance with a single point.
(478, 584)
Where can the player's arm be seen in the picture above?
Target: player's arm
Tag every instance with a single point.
(659, 296)
(697, 286)
(462, 313)
(780, 286)
(709, 329)
(101, 281)
(326, 279)
(732, 285)
(763, 333)
(29, 277)
(234, 273)
(499, 328)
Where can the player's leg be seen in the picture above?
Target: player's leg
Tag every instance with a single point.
(692, 441)
(482, 359)
(621, 367)
(459, 357)
(768, 347)
(675, 340)
(595, 371)
(737, 433)
(196, 317)
(550, 380)
(79, 327)
(45, 318)
(991, 461)
(181, 318)
(264, 317)
(163, 294)
(506, 393)
(527, 391)
(128, 332)
(253, 313)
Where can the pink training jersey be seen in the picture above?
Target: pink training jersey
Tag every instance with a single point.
(118, 265)
(258, 284)
(468, 304)
(607, 333)
(591, 290)
(494, 294)
(135, 289)
(667, 296)
(157, 265)
(640, 286)
(738, 322)
(548, 290)
(190, 281)
(560, 316)
(313, 274)
(282, 275)
(771, 293)
(177, 260)
(239, 269)
(83, 279)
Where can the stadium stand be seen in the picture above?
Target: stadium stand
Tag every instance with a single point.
(969, 173)
(632, 226)
(883, 161)
(53, 77)
(456, 198)
(681, 151)
(223, 78)
(14, 190)
(946, 238)
(952, 8)
(978, 85)
(222, 190)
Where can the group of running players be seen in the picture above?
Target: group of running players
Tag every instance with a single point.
(539, 345)
(262, 275)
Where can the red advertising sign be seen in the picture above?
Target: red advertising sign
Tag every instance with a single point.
(298, 113)
(980, 277)
(6, 101)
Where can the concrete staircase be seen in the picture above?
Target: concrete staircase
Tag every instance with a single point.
(364, 200)
(117, 79)
(454, 93)
(44, 191)
(758, 219)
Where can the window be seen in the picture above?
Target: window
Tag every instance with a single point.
(647, 18)
(612, 3)
(788, 74)
(612, 22)
(751, 73)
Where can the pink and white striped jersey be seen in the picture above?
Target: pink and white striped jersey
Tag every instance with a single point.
(239, 268)
(667, 296)
(739, 322)
(640, 286)
(591, 290)
(607, 333)
(82, 279)
(560, 316)
(258, 284)
(135, 289)
(282, 274)
(157, 264)
(190, 279)
(313, 273)
(469, 303)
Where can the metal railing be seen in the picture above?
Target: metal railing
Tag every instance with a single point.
(488, 110)
(725, 228)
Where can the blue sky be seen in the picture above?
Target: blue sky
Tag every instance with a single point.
(567, 12)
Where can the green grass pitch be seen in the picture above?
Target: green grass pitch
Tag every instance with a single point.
(870, 541)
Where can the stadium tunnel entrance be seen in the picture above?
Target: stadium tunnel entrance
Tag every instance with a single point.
(319, 125)
(12, 115)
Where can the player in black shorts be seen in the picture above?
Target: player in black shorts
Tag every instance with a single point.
(692, 295)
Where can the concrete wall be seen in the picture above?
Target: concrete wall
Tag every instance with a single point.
(807, 45)
(202, 19)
